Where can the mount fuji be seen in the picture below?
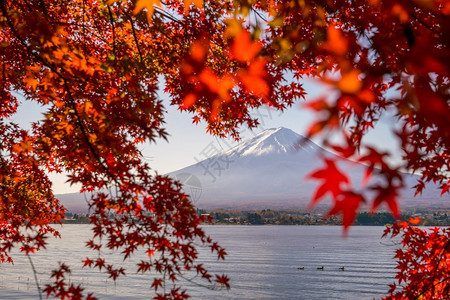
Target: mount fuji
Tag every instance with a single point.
(266, 171)
(269, 170)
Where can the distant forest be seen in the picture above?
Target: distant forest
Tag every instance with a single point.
(429, 217)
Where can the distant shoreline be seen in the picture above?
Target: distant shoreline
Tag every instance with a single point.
(429, 217)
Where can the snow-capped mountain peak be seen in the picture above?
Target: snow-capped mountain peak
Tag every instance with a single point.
(272, 141)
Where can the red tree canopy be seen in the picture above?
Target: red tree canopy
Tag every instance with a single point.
(422, 262)
(96, 67)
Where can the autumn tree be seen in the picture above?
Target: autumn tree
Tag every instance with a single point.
(423, 262)
(96, 67)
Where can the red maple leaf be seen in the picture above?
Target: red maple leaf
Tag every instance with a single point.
(331, 178)
(223, 280)
(157, 282)
(388, 195)
(348, 205)
(87, 262)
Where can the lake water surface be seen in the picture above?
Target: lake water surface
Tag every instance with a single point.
(262, 263)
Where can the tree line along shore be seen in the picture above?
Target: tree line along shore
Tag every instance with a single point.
(428, 216)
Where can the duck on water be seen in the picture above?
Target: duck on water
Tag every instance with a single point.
(320, 268)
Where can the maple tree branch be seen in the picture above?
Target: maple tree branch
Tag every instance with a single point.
(83, 28)
(191, 280)
(84, 133)
(35, 276)
(434, 285)
(411, 290)
(164, 14)
(256, 12)
(426, 25)
(136, 39)
(111, 19)
(130, 18)
(44, 9)
(164, 258)
(441, 256)
(30, 8)
(78, 121)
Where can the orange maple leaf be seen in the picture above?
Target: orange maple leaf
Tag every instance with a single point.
(350, 82)
(187, 4)
(32, 83)
(244, 49)
(414, 221)
(336, 41)
(148, 5)
(253, 78)
(25, 146)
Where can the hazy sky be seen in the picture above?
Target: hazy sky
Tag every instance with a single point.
(187, 141)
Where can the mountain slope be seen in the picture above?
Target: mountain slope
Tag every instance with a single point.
(269, 170)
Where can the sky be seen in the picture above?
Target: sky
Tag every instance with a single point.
(188, 142)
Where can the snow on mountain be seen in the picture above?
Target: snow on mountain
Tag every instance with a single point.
(269, 170)
(272, 141)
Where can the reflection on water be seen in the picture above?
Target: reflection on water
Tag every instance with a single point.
(262, 263)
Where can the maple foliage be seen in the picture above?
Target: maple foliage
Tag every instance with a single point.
(422, 263)
(96, 67)
(61, 289)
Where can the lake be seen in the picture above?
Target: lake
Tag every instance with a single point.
(262, 263)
